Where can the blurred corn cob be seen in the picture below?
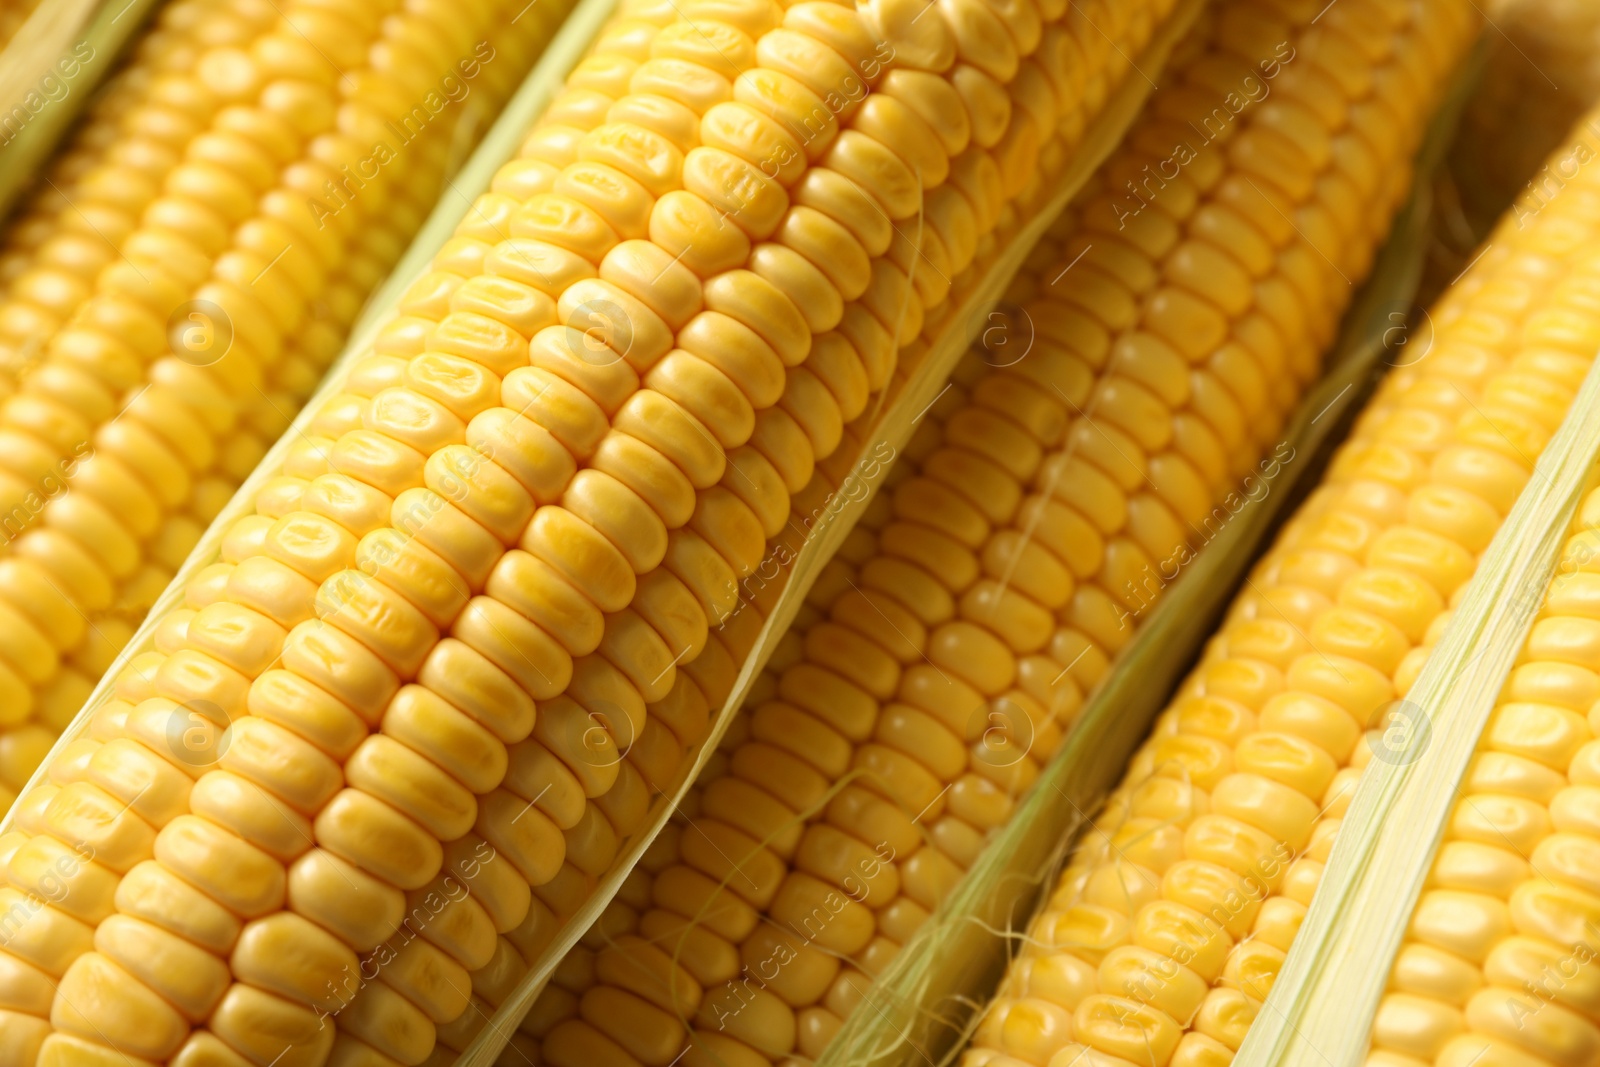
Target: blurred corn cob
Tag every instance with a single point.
(1167, 930)
(182, 278)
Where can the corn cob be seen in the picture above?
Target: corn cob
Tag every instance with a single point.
(126, 130)
(111, 132)
(919, 656)
(140, 98)
(208, 173)
(568, 216)
(1167, 930)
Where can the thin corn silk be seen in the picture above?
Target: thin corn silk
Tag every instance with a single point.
(1169, 926)
(1018, 541)
(555, 466)
(175, 289)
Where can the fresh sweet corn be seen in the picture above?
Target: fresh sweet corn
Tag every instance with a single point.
(175, 290)
(1038, 512)
(1168, 928)
(501, 509)
(1497, 962)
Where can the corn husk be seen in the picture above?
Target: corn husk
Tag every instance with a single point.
(926, 1003)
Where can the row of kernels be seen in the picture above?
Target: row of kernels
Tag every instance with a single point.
(685, 713)
(571, 1017)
